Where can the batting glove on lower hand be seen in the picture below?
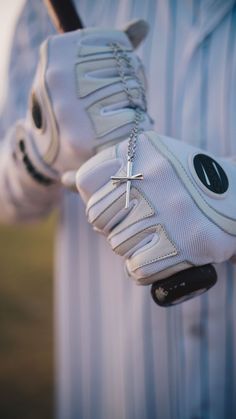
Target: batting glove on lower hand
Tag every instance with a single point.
(182, 214)
(78, 102)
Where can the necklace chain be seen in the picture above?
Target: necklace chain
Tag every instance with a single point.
(123, 62)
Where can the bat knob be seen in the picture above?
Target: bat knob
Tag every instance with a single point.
(183, 285)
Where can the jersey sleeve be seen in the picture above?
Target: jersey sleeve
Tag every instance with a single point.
(32, 27)
(21, 198)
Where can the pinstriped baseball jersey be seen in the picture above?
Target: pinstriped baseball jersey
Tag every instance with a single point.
(117, 354)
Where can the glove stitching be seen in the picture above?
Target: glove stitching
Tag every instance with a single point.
(144, 216)
(145, 280)
(174, 253)
(155, 226)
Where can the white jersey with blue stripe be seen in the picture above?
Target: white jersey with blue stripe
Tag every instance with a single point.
(118, 355)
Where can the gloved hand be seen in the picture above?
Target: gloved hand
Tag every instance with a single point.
(182, 214)
(87, 86)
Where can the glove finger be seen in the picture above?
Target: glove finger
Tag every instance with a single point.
(96, 173)
(155, 259)
(68, 180)
(136, 31)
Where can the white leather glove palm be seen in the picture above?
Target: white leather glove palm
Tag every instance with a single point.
(78, 103)
(182, 214)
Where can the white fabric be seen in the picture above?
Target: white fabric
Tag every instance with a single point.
(179, 229)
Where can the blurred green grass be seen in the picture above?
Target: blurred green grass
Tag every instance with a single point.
(26, 333)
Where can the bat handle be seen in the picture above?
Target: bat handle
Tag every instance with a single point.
(183, 285)
(64, 15)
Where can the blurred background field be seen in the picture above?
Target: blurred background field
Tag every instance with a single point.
(26, 335)
(26, 254)
(26, 306)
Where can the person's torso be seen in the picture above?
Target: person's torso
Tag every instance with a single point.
(125, 357)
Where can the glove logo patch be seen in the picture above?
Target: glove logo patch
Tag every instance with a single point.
(210, 174)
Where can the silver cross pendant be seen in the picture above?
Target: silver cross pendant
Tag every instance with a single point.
(128, 178)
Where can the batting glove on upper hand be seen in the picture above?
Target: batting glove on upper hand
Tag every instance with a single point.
(78, 103)
(182, 214)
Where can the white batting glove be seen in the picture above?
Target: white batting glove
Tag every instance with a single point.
(78, 103)
(182, 214)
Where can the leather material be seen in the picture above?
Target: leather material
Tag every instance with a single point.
(221, 209)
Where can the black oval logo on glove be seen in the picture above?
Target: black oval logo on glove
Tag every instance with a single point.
(210, 174)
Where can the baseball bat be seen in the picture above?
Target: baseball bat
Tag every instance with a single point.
(185, 284)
